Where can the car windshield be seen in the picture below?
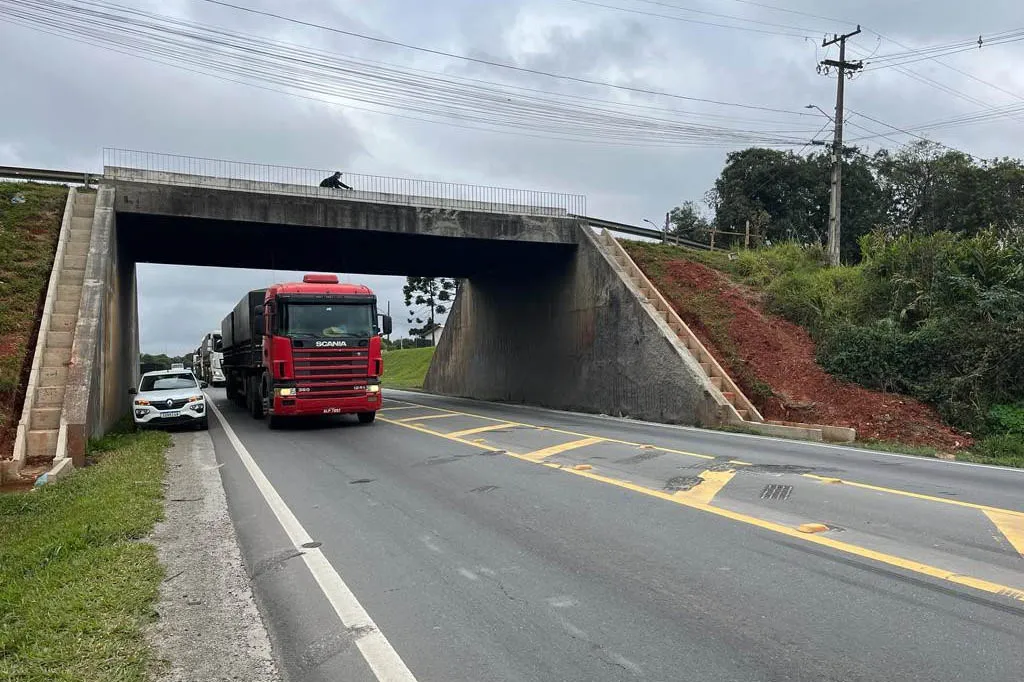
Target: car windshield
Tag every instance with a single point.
(168, 382)
(329, 320)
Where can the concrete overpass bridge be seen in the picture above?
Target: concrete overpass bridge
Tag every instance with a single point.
(549, 313)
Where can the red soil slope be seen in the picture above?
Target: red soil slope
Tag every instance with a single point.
(773, 361)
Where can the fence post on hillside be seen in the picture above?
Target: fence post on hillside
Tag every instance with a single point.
(746, 235)
(713, 228)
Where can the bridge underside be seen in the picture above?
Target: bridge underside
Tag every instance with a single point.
(541, 316)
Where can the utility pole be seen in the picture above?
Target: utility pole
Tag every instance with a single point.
(835, 206)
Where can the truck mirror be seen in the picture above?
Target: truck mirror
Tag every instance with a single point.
(386, 325)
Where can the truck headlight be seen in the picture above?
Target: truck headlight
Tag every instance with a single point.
(373, 388)
(285, 391)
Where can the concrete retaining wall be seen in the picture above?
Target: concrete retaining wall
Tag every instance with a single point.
(566, 334)
(104, 357)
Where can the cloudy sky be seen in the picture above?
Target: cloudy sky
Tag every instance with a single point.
(64, 101)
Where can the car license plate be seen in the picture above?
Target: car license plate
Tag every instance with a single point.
(332, 410)
(176, 413)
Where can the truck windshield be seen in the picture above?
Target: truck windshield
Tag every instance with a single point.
(329, 319)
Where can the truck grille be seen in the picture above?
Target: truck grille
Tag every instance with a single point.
(331, 372)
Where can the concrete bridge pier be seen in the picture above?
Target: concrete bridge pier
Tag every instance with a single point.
(566, 333)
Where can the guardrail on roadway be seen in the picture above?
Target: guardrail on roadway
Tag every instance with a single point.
(144, 166)
(46, 175)
(634, 230)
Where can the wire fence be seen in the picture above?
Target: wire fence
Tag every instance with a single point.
(139, 166)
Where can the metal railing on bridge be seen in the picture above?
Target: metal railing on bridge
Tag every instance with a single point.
(140, 166)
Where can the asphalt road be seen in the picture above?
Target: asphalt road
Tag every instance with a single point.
(454, 540)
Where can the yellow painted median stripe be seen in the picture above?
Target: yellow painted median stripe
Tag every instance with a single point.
(429, 416)
(1009, 522)
(712, 482)
(541, 455)
(1011, 525)
(480, 429)
(645, 446)
(1014, 593)
(403, 407)
(899, 562)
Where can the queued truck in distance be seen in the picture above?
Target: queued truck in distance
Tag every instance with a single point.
(209, 367)
(305, 348)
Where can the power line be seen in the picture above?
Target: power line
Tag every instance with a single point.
(246, 58)
(501, 65)
(689, 20)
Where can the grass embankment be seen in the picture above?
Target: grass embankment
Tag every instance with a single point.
(30, 216)
(406, 368)
(76, 588)
(934, 317)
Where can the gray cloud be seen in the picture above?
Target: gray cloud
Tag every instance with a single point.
(74, 99)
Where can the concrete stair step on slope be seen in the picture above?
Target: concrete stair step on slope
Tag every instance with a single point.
(76, 249)
(56, 357)
(81, 223)
(41, 443)
(49, 396)
(59, 339)
(69, 292)
(74, 262)
(85, 205)
(76, 236)
(45, 418)
(62, 322)
(72, 277)
(53, 376)
(68, 307)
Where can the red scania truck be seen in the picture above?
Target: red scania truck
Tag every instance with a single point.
(305, 348)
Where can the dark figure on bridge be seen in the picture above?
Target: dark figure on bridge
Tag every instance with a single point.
(334, 182)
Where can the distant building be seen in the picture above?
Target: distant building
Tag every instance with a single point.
(428, 333)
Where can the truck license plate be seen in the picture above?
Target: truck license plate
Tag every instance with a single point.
(332, 410)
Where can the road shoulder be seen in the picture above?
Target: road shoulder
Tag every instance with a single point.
(208, 626)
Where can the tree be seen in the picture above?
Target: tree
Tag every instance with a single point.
(689, 222)
(425, 298)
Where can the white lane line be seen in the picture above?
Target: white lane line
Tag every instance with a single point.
(382, 658)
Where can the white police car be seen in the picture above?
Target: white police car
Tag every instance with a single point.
(171, 397)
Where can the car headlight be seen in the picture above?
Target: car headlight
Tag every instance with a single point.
(195, 398)
(373, 388)
(142, 402)
(286, 391)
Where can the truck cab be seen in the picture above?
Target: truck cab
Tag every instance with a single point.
(306, 348)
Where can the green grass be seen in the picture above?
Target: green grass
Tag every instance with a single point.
(28, 239)
(406, 368)
(76, 588)
(896, 447)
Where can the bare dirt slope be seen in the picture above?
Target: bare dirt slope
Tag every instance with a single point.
(773, 359)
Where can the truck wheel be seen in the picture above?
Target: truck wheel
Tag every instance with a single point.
(253, 395)
(367, 417)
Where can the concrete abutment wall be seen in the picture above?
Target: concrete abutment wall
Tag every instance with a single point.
(566, 334)
(104, 357)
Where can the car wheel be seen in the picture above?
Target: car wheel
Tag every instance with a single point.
(367, 417)
(204, 424)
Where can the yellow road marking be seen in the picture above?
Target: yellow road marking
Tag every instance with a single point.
(713, 481)
(401, 407)
(541, 455)
(907, 493)
(1011, 525)
(581, 435)
(899, 562)
(479, 429)
(881, 557)
(429, 416)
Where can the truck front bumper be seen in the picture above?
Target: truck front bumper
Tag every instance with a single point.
(292, 406)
